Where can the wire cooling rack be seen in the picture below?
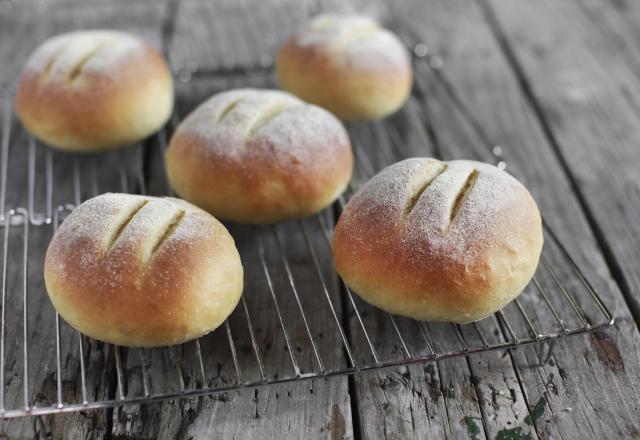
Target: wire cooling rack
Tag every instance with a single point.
(295, 321)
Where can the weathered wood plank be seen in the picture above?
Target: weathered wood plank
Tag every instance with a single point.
(229, 34)
(481, 80)
(24, 25)
(264, 412)
(435, 400)
(592, 122)
(411, 133)
(497, 375)
(592, 115)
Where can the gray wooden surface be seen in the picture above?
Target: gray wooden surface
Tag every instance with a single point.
(553, 83)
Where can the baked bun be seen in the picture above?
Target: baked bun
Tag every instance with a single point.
(142, 271)
(94, 90)
(259, 156)
(347, 64)
(441, 241)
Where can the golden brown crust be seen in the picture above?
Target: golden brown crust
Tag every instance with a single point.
(142, 271)
(446, 241)
(259, 156)
(94, 90)
(348, 65)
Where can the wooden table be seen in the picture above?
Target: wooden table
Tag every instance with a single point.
(554, 83)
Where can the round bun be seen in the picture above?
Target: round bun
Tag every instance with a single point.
(142, 271)
(259, 156)
(348, 65)
(94, 90)
(441, 241)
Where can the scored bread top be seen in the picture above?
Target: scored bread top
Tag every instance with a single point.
(457, 206)
(445, 240)
(360, 39)
(66, 57)
(240, 119)
(94, 90)
(130, 223)
(139, 270)
(129, 232)
(269, 156)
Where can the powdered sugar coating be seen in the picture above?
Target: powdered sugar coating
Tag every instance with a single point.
(94, 226)
(266, 151)
(142, 271)
(94, 90)
(236, 119)
(359, 40)
(347, 64)
(93, 51)
(229, 119)
(335, 29)
(429, 226)
(435, 240)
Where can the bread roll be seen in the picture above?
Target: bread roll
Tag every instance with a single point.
(440, 241)
(259, 156)
(142, 271)
(94, 90)
(348, 65)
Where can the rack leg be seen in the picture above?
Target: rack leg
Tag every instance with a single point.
(545, 353)
(42, 428)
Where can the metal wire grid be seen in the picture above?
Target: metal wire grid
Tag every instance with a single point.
(559, 302)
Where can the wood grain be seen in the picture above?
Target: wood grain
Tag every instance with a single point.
(265, 412)
(481, 78)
